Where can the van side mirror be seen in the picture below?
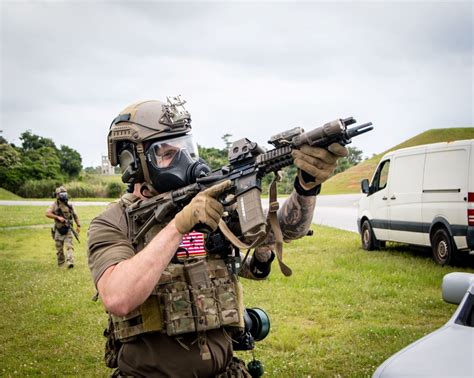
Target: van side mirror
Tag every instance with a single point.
(364, 185)
(455, 285)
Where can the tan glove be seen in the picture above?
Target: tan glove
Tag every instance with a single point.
(204, 209)
(317, 162)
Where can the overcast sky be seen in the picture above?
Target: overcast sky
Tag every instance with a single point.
(249, 69)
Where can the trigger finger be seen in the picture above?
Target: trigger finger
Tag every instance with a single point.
(216, 190)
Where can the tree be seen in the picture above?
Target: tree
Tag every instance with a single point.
(30, 141)
(214, 157)
(226, 140)
(353, 157)
(9, 156)
(70, 161)
(41, 163)
(10, 161)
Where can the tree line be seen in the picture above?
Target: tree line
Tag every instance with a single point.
(36, 159)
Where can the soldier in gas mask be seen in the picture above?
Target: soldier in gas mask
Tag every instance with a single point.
(64, 217)
(172, 304)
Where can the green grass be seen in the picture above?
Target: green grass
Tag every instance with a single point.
(6, 195)
(13, 216)
(349, 180)
(342, 313)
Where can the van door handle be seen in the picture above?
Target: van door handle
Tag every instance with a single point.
(384, 198)
(393, 197)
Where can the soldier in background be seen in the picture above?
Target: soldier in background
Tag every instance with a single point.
(151, 290)
(64, 217)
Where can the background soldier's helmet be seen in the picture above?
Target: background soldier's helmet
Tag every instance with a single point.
(61, 194)
(137, 128)
(60, 189)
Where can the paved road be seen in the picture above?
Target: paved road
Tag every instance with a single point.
(338, 211)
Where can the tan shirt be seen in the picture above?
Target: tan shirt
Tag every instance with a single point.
(152, 354)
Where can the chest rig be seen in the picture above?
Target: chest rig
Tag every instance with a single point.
(196, 292)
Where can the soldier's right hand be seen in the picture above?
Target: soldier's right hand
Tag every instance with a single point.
(203, 210)
(61, 219)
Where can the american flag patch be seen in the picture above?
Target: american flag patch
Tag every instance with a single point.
(192, 245)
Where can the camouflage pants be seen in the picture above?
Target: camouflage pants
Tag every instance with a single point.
(64, 242)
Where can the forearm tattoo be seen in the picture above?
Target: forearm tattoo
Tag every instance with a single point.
(295, 217)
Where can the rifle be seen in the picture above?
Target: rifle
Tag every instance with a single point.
(248, 164)
(69, 224)
(71, 227)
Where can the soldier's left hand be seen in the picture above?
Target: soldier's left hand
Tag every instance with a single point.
(78, 229)
(319, 163)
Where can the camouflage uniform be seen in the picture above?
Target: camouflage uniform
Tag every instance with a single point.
(156, 353)
(61, 233)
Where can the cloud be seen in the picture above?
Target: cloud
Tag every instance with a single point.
(250, 69)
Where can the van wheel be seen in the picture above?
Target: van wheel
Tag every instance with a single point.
(442, 245)
(369, 243)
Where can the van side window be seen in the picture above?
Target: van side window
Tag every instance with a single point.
(381, 177)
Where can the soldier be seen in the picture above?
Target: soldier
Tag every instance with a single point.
(64, 216)
(171, 302)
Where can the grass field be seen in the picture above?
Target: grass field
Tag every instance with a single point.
(14, 216)
(342, 313)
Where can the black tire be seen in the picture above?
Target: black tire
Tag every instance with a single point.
(367, 237)
(442, 247)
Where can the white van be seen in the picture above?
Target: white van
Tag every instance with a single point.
(422, 196)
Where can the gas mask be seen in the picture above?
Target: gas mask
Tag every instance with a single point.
(62, 197)
(174, 163)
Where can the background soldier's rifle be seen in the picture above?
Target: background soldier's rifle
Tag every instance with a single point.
(248, 164)
(71, 227)
(69, 224)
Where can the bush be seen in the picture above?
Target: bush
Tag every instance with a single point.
(115, 189)
(77, 189)
(38, 188)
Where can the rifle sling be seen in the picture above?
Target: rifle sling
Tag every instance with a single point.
(275, 225)
(235, 240)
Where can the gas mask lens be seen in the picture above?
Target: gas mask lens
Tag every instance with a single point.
(174, 163)
(166, 153)
(63, 197)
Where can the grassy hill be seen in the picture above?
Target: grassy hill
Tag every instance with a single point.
(8, 196)
(349, 180)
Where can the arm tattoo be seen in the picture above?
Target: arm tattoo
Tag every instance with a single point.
(295, 217)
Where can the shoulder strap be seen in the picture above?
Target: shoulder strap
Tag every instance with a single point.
(275, 225)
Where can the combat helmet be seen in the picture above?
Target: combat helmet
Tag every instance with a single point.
(61, 194)
(137, 134)
(60, 189)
